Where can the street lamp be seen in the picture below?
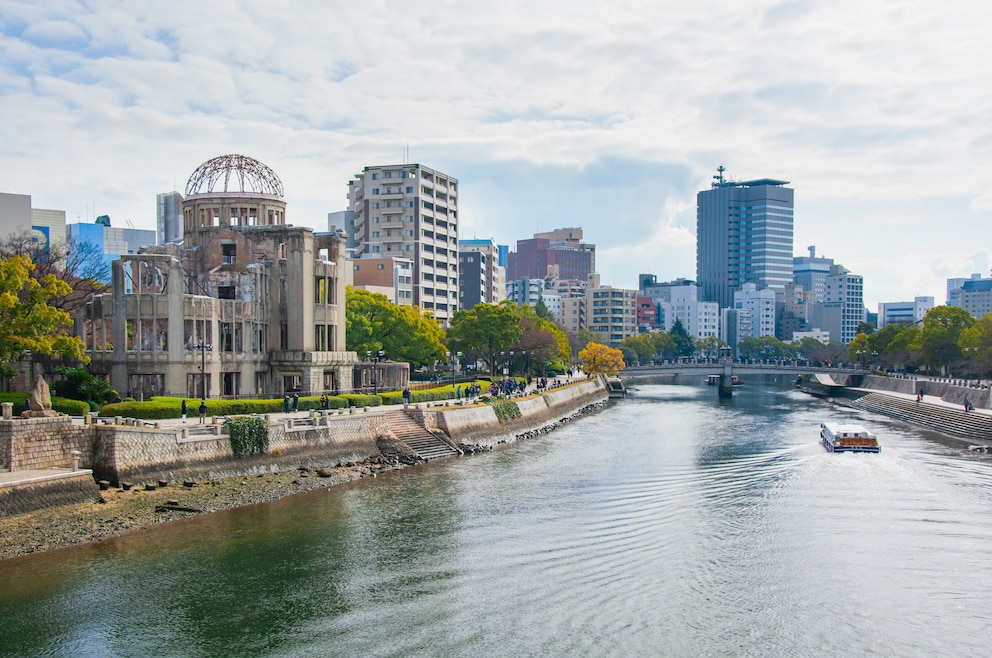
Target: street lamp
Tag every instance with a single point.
(451, 359)
(203, 347)
(375, 357)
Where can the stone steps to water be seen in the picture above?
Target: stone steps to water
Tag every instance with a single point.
(420, 440)
(954, 422)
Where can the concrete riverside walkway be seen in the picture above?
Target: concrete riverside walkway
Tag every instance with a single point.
(16, 478)
(927, 401)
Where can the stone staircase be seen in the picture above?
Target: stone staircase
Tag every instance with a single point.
(973, 425)
(422, 441)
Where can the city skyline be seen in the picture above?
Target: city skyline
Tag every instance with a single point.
(609, 118)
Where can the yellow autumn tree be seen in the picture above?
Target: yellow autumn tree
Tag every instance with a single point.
(599, 359)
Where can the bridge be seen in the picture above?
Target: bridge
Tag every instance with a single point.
(714, 367)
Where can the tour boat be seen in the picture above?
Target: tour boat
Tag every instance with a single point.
(848, 438)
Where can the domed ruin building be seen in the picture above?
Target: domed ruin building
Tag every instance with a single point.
(246, 304)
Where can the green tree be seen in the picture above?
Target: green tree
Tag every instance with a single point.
(898, 351)
(27, 322)
(639, 348)
(976, 345)
(859, 349)
(684, 344)
(541, 341)
(485, 330)
(541, 309)
(937, 342)
(806, 347)
(404, 333)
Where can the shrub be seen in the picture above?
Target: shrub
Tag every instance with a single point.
(249, 435)
(361, 400)
(505, 408)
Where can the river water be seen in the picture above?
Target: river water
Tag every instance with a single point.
(668, 524)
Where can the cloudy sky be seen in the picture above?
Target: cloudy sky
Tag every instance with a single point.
(605, 115)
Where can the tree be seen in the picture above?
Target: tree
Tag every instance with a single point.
(865, 327)
(638, 348)
(485, 330)
(859, 348)
(684, 344)
(541, 309)
(28, 323)
(937, 342)
(583, 337)
(404, 333)
(541, 341)
(80, 264)
(599, 359)
(976, 344)
(806, 347)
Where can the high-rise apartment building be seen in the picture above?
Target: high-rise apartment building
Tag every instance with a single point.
(411, 211)
(481, 278)
(845, 291)
(976, 297)
(743, 235)
(679, 300)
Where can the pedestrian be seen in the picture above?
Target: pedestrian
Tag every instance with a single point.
(203, 411)
(285, 404)
(922, 393)
(184, 410)
(458, 393)
(967, 405)
(406, 395)
(296, 401)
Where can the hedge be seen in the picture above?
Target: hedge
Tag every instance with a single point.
(61, 405)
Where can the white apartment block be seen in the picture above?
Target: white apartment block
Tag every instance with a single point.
(903, 312)
(481, 278)
(847, 290)
(761, 305)
(700, 319)
(411, 211)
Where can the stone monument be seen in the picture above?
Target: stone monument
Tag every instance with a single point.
(39, 401)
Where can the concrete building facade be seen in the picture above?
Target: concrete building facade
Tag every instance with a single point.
(411, 211)
(481, 278)
(744, 234)
(246, 305)
(903, 312)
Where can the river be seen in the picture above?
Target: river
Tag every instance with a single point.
(668, 524)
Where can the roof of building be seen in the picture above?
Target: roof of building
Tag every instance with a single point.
(973, 285)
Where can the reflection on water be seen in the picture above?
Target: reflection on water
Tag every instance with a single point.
(667, 524)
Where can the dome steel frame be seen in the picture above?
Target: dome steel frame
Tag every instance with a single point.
(233, 173)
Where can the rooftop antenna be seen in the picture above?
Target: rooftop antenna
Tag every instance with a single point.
(719, 176)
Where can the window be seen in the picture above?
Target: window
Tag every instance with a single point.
(375, 176)
(229, 254)
(375, 204)
(409, 218)
(375, 234)
(226, 292)
(375, 190)
(409, 204)
(382, 266)
(375, 220)
(409, 190)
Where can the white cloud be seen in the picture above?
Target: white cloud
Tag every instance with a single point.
(606, 115)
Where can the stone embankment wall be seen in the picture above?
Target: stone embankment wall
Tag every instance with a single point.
(42, 443)
(954, 391)
(176, 453)
(143, 452)
(480, 426)
(27, 497)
